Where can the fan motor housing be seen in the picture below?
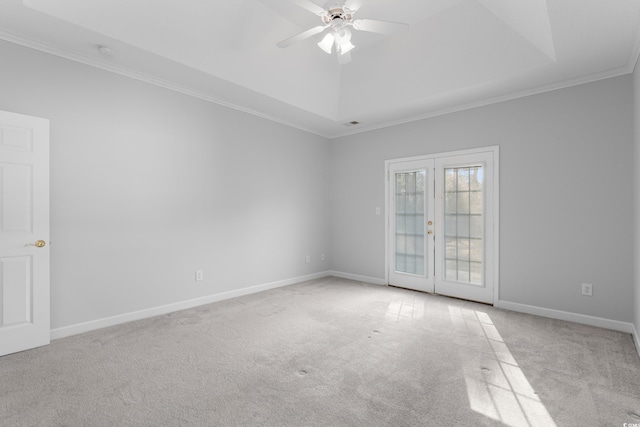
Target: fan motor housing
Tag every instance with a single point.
(334, 13)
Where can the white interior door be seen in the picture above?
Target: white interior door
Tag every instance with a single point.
(442, 224)
(24, 232)
(411, 224)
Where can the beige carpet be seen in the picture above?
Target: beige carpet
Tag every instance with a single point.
(330, 352)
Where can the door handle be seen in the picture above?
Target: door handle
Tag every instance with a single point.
(37, 244)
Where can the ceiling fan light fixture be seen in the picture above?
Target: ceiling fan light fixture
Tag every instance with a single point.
(346, 47)
(327, 43)
(343, 35)
(337, 23)
(343, 40)
(337, 17)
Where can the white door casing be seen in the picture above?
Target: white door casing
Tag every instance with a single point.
(24, 232)
(463, 249)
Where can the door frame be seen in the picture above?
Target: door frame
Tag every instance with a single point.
(495, 152)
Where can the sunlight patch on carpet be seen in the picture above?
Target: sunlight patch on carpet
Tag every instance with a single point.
(496, 386)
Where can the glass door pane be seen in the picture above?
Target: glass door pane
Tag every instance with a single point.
(442, 224)
(463, 219)
(411, 243)
(464, 228)
(409, 221)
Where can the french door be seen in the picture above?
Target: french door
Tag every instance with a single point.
(412, 246)
(441, 228)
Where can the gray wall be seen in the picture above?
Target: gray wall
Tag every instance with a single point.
(148, 185)
(566, 180)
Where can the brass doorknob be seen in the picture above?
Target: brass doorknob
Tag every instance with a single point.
(430, 223)
(37, 244)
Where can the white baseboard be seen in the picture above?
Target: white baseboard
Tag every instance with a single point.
(568, 316)
(636, 339)
(357, 277)
(182, 305)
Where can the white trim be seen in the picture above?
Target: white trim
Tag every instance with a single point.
(465, 152)
(496, 223)
(636, 338)
(635, 53)
(584, 319)
(358, 277)
(83, 59)
(183, 305)
(144, 77)
(387, 219)
(494, 150)
(608, 74)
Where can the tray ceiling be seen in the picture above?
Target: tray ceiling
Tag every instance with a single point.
(456, 54)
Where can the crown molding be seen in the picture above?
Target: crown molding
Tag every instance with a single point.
(144, 77)
(150, 79)
(635, 53)
(616, 72)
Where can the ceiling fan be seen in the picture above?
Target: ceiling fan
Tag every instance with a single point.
(337, 18)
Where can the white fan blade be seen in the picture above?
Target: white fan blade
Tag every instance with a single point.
(344, 59)
(353, 5)
(310, 6)
(383, 27)
(302, 36)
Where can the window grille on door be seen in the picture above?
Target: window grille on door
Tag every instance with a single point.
(409, 221)
(463, 225)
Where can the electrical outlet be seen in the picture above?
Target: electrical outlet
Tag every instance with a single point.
(199, 275)
(587, 289)
(378, 210)
(321, 257)
(308, 259)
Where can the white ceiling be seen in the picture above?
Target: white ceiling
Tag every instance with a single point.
(456, 54)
